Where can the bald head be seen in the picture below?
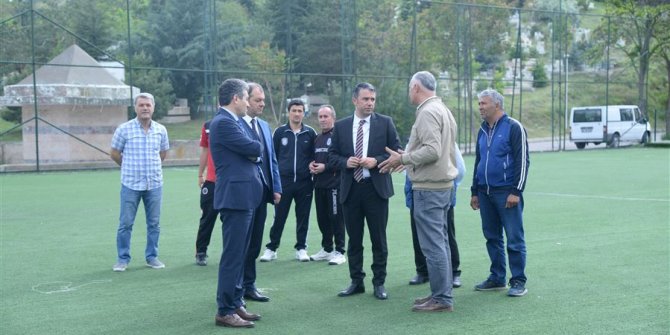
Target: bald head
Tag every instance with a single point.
(421, 87)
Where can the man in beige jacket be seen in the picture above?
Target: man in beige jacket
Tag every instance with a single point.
(430, 162)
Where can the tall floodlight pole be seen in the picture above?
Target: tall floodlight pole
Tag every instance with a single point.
(567, 70)
(32, 41)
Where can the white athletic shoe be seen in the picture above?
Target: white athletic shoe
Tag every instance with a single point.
(322, 255)
(155, 264)
(268, 255)
(120, 267)
(337, 258)
(301, 255)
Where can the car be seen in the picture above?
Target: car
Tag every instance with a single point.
(611, 124)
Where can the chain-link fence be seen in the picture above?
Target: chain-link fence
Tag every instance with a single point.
(66, 100)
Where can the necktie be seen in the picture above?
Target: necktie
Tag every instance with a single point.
(358, 172)
(264, 161)
(253, 126)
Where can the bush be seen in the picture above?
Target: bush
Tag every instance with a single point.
(11, 114)
(539, 75)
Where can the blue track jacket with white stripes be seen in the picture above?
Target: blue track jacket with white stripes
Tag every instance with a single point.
(501, 161)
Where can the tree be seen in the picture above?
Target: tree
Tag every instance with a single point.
(638, 22)
(266, 61)
(174, 39)
(664, 40)
(319, 49)
(539, 75)
(286, 17)
(154, 81)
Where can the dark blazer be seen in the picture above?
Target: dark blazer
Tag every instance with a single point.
(382, 134)
(238, 182)
(274, 167)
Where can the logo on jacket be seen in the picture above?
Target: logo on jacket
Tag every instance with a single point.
(284, 141)
(328, 142)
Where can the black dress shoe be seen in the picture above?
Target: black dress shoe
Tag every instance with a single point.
(256, 296)
(352, 289)
(380, 292)
(418, 280)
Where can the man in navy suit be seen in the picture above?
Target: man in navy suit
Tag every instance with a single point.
(238, 192)
(357, 147)
(271, 188)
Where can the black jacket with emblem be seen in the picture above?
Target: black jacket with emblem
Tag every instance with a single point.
(294, 152)
(330, 177)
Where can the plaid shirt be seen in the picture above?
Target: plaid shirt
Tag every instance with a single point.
(141, 166)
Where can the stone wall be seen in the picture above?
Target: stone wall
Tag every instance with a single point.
(93, 124)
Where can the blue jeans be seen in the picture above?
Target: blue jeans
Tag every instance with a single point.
(130, 200)
(495, 218)
(430, 214)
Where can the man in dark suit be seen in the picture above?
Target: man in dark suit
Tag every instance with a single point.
(237, 194)
(357, 147)
(271, 188)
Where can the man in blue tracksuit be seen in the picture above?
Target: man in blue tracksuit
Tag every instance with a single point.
(294, 147)
(501, 168)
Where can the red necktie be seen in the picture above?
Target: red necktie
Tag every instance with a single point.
(358, 172)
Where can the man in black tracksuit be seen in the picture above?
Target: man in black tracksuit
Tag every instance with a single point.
(326, 187)
(294, 147)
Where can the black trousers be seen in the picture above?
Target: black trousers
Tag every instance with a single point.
(365, 205)
(255, 243)
(207, 218)
(300, 192)
(330, 219)
(420, 259)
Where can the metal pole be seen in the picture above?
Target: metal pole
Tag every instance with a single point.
(130, 55)
(36, 113)
(558, 38)
(567, 69)
(607, 78)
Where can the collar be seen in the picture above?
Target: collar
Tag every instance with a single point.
(235, 117)
(358, 120)
(425, 101)
(139, 124)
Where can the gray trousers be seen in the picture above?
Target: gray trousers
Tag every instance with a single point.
(430, 214)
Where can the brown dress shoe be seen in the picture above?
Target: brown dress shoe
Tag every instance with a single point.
(420, 301)
(242, 312)
(232, 320)
(432, 305)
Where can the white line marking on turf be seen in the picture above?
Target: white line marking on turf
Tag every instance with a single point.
(598, 197)
(64, 286)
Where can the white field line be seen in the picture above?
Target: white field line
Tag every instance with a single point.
(597, 197)
(400, 187)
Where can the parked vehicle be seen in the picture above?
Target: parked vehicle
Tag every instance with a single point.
(610, 124)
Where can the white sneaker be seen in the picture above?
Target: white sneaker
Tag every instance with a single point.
(301, 255)
(322, 255)
(268, 255)
(337, 258)
(120, 267)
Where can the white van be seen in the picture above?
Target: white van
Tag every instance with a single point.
(609, 124)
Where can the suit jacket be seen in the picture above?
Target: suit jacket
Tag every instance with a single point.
(274, 166)
(238, 182)
(382, 134)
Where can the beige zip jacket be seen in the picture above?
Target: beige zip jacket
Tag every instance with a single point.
(429, 157)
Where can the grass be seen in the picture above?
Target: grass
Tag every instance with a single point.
(14, 135)
(596, 227)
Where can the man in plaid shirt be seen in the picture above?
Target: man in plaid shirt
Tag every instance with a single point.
(139, 146)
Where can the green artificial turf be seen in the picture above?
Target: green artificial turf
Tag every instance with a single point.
(597, 235)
